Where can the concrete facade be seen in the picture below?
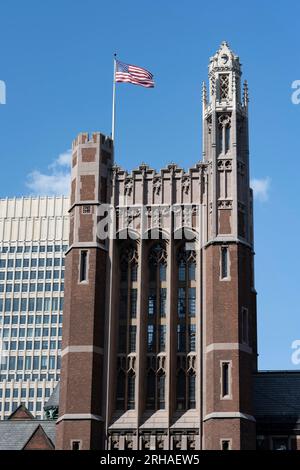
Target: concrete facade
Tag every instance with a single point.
(33, 240)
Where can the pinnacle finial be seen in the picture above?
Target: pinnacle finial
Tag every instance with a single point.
(224, 44)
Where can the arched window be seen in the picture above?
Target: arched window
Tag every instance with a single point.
(186, 301)
(156, 324)
(127, 327)
(186, 326)
(224, 133)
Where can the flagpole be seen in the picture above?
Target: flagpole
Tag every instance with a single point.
(114, 101)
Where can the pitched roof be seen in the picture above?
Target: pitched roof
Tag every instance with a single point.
(15, 434)
(39, 441)
(21, 413)
(277, 394)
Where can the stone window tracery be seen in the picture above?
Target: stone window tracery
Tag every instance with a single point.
(186, 329)
(224, 86)
(127, 331)
(156, 326)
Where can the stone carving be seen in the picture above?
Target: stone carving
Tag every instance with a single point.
(158, 254)
(224, 165)
(186, 184)
(128, 186)
(157, 186)
(224, 120)
(225, 204)
(129, 255)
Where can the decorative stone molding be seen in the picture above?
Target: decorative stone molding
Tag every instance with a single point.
(128, 186)
(186, 184)
(225, 204)
(157, 184)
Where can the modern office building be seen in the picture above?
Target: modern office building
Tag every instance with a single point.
(33, 240)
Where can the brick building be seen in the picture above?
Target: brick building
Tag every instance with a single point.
(159, 335)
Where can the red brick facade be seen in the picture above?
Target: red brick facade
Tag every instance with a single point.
(175, 372)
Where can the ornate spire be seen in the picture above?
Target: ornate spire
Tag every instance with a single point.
(224, 76)
(224, 59)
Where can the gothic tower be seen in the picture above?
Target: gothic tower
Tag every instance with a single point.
(230, 349)
(159, 335)
(80, 424)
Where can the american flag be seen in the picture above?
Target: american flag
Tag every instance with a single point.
(132, 74)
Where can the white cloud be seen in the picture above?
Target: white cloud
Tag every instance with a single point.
(64, 159)
(261, 188)
(56, 181)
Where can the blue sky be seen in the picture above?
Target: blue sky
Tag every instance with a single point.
(56, 61)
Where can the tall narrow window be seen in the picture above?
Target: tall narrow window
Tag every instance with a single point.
(227, 138)
(224, 262)
(181, 302)
(131, 391)
(150, 390)
(163, 272)
(83, 265)
(181, 338)
(192, 301)
(127, 329)
(181, 271)
(192, 271)
(192, 390)
(162, 338)
(181, 392)
(132, 338)
(134, 272)
(224, 86)
(151, 302)
(120, 405)
(123, 303)
(186, 328)
(225, 379)
(150, 338)
(133, 303)
(156, 325)
(245, 322)
(163, 301)
(161, 391)
(192, 338)
(122, 339)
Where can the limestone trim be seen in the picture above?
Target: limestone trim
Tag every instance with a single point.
(229, 415)
(228, 347)
(79, 416)
(83, 245)
(227, 240)
(82, 349)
